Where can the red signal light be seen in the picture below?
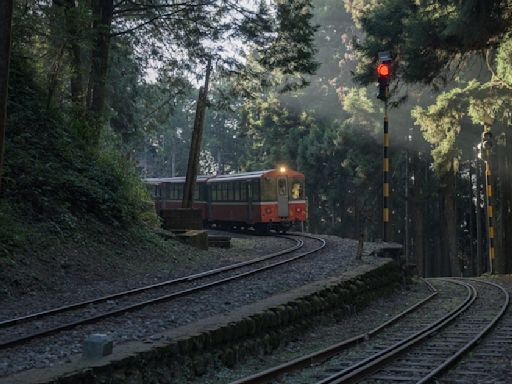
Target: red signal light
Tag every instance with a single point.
(383, 70)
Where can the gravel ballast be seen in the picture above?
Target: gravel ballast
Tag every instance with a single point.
(323, 335)
(147, 324)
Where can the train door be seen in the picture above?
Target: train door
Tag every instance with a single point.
(248, 187)
(282, 197)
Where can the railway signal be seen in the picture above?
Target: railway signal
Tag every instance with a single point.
(384, 72)
(384, 75)
(485, 154)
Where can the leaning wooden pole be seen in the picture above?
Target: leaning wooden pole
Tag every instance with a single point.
(195, 143)
(5, 53)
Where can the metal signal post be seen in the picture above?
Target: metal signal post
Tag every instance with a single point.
(486, 147)
(384, 73)
(385, 177)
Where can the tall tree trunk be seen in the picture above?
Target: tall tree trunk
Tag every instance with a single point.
(419, 205)
(503, 173)
(499, 189)
(450, 223)
(479, 220)
(507, 200)
(418, 238)
(195, 142)
(5, 53)
(76, 82)
(438, 254)
(102, 14)
(471, 223)
(55, 70)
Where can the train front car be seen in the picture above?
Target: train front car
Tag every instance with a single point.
(283, 200)
(272, 199)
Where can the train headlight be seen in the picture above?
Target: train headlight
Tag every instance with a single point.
(282, 169)
(268, 211)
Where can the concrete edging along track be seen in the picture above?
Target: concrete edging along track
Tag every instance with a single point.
(255, 327)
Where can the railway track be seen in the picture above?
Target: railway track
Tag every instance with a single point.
(417, 346)
(19, 330)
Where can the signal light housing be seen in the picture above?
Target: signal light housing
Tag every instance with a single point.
(384, 74)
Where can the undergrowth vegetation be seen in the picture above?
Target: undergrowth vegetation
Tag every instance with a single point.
(54, 179)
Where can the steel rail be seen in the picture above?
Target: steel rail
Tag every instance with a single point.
(365, 367)
(6, 323)
(160, 299)
(323, 354)
(448, 363)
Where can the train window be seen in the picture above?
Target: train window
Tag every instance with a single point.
(256, 195)
(180, 192)
(268, 189)
(281, 187)
(201, 194)
(230, 191)
(168, 190)
(297, 189)
(224, 191)
(243, 191)
(214, 192)
(196, 192)
(236, 191)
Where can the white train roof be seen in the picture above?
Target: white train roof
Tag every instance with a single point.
(239, 176)
(172, 180)
(221, 178)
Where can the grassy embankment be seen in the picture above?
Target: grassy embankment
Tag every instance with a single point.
(69, 210)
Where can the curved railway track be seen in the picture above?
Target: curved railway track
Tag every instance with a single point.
(417, 346)
(19, 330)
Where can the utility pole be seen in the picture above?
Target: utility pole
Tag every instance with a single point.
(195, 143)
(384, 73)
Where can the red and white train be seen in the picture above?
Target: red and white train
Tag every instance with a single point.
(271, 199)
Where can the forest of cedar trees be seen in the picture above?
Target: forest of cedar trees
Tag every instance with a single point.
(96, 95)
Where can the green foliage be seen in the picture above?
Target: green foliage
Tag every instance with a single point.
(504, 61)
(429, 40)
(53, 174)
(292, 50)
(12, 232)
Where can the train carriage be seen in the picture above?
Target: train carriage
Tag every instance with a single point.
(168, 193)
(271, 199)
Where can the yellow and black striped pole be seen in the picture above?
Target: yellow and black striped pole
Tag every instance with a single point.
(490, 225)
(385, 178)
(384, 73)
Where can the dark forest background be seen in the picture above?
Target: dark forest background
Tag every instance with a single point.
(103, 94)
